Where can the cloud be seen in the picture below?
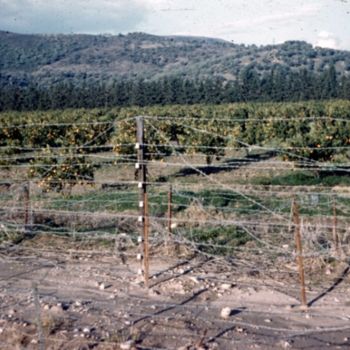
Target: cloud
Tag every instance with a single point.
(270, 20)
(64, 16)
(327, 40)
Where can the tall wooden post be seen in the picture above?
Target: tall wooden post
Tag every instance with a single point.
(141, 166)
(27, 218)
(170, 213)
(299, 249)
(335, 224)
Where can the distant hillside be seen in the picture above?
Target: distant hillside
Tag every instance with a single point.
(48, 59)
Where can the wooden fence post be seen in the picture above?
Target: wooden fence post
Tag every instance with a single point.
(299, 251)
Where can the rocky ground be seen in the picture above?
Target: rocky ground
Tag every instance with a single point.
(59, 296)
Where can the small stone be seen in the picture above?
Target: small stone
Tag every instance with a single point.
(12, 312)
(102, 286)
(127, 345)
(226, 286)
(225, 312)
(285, 345)
(46, 307)
(56, 309)
(1, 330)
(267, 320)
(346, 339)
(194, 279)
(86, 330)
(78, 303)
(34, 341)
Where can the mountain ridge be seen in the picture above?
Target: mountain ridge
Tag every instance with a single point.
(54, 58)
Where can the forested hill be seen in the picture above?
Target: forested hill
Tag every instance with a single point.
(48, 59)
(68, 71)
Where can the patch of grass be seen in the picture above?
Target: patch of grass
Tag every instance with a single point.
(218, 240)
(304, 178)
(11, 236)
(117, 201)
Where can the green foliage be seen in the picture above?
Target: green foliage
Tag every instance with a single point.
(59, 144)
(304, 178)
(218, 240)
(56, 144)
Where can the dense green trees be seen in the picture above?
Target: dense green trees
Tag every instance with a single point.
(61, 147)
(279, 85)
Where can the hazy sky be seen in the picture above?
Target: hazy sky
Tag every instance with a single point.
(321, 22)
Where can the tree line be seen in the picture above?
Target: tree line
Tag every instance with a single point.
(279, 85)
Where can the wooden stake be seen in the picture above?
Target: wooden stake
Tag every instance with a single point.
(299, 249)
(170, 196)
(27, 221)
(335, 234)
(146, 242)
(141, 166)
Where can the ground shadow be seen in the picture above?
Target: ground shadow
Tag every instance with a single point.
(226, 166)
(332, 287)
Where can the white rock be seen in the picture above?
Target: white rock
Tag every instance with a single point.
(127, 345)
(285, 345)
(194, 279)
(86, 330)
(102, 286)
(1, 330)
(226, 312)
(56, 309)
(267, 320)
(226, 286)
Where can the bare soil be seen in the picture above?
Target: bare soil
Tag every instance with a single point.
(56, 293)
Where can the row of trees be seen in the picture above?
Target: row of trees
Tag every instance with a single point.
(279, 85)
(57, 145)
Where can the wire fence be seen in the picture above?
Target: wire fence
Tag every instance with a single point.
(127, 252)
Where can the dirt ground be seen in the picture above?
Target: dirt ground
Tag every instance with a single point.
(61, 296)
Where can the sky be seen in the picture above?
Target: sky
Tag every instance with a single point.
(324, 23)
